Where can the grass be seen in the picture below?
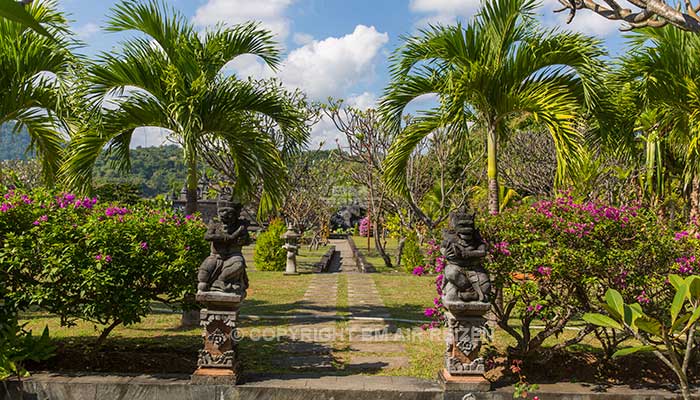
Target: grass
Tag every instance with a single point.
(342, 299)
(372, 256)
(406, 296)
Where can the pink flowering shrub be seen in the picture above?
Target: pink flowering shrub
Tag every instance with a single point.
(365, 228)
(552, 261)
(104, 263)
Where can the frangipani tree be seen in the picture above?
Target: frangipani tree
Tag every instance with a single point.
(171, 76)
(501, 69)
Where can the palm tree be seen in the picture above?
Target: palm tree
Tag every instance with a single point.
(500, 70)
(32, 65)
(172, 77)
(662, 71)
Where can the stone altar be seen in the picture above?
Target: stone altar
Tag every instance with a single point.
(222, 282)
(465, 294)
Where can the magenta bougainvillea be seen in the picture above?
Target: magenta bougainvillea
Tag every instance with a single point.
(365, 227)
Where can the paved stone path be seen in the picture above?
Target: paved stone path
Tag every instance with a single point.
(356, 346)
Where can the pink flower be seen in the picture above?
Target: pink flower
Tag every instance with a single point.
(143, 245)
(44, 218)
(36, 222)
(4, 207)
(418, 271)
(98, 257)
(544, 271)
(429, 312)
(108, 258)
(680, 235)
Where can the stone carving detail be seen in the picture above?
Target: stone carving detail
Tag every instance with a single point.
(465, 293)
(466, 280)
(225, 270)
(226, 359)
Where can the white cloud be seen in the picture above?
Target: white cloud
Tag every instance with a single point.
(324, 68)
(149, 136)
(302, 39)
(86, 31)
(443, 11)
(269, 12)
(363, 101)
(331, 66)
(325, 132)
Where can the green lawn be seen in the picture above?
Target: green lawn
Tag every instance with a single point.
(406, 296)
(372, 256)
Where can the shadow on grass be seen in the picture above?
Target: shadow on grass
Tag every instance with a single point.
(178, 355)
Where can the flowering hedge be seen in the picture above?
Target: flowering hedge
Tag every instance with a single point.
(552, 261)
(104, 263)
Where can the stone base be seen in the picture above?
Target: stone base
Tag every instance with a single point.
(291, 273)
(463, 383)
(214, 376)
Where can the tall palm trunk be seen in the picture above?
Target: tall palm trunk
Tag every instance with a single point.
(492, 154)
(192, 178)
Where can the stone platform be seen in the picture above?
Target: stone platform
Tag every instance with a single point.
(45, 386)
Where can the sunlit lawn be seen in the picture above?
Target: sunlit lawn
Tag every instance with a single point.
(372, 256)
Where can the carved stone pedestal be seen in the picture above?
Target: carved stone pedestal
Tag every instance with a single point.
(218, 362)
(465, 334)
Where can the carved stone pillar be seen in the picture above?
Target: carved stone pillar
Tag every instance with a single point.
(291, 237)
(218, 361)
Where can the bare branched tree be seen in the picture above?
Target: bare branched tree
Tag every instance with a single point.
(648, 13)
(434, 189)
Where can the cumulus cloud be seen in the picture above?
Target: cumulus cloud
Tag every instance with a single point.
(443, 11)
(302, 39)
(363, 101)
(86, 31)
(323, 68)
(331, 66)
(150, 136)
(271, 14)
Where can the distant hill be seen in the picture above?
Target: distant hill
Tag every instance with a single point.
(154, 170)
(14, 145)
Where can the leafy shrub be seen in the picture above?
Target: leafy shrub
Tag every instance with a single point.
(104, 263)
(412, 256)
(269, 254)
(18, 345)
(670, 338)
(552, 262)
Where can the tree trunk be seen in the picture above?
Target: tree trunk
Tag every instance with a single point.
(192, 177)
(105, 333)
(378, 245)
(695, 200)
(492, 169)
(399, 251)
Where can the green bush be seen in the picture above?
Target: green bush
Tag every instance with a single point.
(554, 260)
(412, 256)
(269, 254)
(102, 263)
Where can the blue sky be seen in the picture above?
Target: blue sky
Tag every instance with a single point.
(335, 48)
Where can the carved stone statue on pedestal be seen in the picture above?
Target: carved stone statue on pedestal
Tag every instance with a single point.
(465, 293)
(222, 282)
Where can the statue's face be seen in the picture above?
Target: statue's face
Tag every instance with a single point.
(227, 214)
